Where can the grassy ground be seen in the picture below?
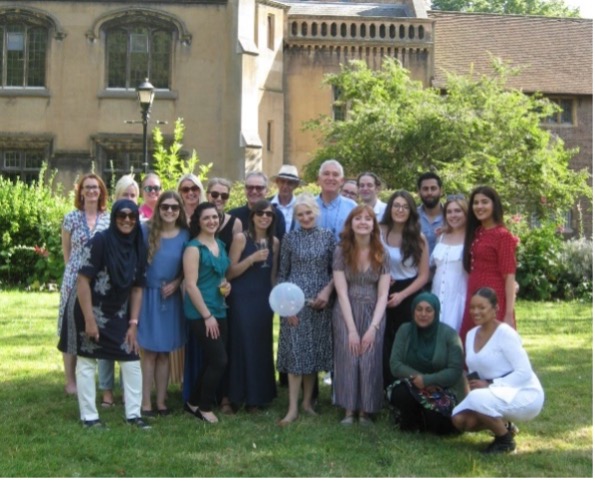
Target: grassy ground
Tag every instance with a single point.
(43, 438)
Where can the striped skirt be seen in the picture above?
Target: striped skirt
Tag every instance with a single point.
(357, 381)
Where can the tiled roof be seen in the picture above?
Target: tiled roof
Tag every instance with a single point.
(347, 9)
(556, 53)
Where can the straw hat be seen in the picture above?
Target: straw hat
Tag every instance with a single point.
(288, 172)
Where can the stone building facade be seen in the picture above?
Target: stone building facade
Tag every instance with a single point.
(244, 74)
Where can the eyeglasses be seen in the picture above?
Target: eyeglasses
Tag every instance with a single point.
(91, 188)
(187, 189)
(216, 194)
(152, 188)
(268, 214)
(123, 216)
(174, 208)
(255, 188)
(455, 197)
(401, 207)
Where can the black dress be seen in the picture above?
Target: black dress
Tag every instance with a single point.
(251, 368)
(110, 307)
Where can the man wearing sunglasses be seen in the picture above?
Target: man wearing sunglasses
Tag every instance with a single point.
(256, 187)
(287, 181)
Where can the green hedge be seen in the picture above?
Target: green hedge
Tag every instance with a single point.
(30, 223)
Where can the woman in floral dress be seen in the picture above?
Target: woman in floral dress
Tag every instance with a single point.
(305, 340)
(89, 217)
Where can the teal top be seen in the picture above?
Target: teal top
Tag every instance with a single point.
(211, 270)
(446, 363)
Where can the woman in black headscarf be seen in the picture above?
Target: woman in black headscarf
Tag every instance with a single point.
(104, 309)
(427, 361)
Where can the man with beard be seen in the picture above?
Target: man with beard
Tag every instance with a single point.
(429, 189)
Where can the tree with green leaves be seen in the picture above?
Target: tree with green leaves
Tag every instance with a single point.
(478, 132)
(170, 164)
(547, 8)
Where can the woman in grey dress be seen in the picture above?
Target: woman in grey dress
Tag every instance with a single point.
(361, 276)
(305, 340)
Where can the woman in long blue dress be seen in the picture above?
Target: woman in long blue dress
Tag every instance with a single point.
(161, 322)
(252, 271)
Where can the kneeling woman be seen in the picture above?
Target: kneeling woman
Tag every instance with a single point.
(504, 388)
(205, 263)
(104, 311)
(427, 361)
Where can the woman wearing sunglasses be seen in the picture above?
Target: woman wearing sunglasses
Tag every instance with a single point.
(192, 192)
(218, 190)
(161, 321)
(104, 312)
(150, 190)
(253, 268)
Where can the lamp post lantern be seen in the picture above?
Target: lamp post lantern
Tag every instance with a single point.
(145, 93)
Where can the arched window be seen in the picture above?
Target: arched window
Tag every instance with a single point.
(136, 52)
(23, 48)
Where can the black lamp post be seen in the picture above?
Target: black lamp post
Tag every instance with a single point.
(145, 92)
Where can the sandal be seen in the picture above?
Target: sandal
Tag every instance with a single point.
(106, 404)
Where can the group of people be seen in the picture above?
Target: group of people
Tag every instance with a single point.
(391, 291)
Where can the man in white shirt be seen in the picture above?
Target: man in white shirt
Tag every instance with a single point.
(369, 185)
(287, 181)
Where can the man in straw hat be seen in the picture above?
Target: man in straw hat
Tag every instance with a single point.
(287, 181)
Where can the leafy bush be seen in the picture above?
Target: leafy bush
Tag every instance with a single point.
(169, 164)
(30, 223)
(550, 268)
(538, 264)
(576, 270)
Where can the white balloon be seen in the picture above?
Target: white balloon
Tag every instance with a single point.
(287, 299)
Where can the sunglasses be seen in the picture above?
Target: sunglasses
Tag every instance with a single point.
(174, 208)
(152, 188)
(187, 189)
(255, 188)
(268, 214)
(216, 194)
(122, 216)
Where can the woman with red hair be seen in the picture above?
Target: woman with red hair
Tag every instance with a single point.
(89, 217)
(361, 277)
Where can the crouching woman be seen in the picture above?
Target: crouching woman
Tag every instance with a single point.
(504, 388)
(427, 361)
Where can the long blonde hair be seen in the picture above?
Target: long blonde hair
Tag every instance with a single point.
(155, 224)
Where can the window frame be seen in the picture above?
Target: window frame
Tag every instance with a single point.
(30, 29)
(557, 119)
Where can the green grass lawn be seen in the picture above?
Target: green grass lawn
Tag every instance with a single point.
(42, 436)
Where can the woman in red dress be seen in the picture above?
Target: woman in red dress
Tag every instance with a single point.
(489, 255)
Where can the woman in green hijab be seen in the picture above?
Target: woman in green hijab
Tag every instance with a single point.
(427, 360)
